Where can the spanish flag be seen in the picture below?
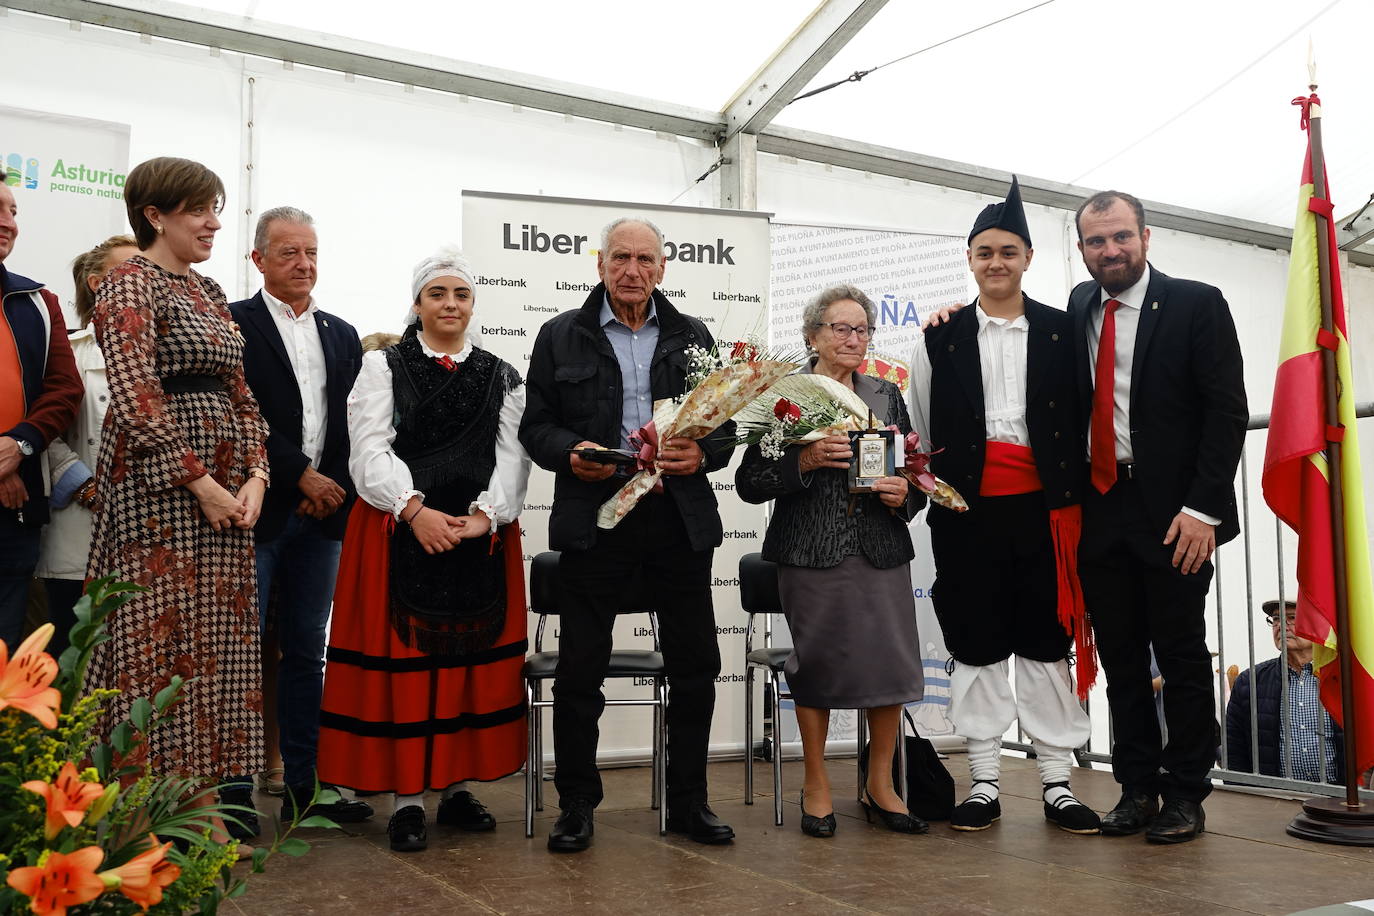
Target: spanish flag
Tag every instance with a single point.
(1297, 476)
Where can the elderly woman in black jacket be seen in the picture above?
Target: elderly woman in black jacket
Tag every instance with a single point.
(843, 572)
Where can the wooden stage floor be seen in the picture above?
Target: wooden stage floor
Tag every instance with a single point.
(1245, 863)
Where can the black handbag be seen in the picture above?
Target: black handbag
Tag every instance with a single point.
(929, 787)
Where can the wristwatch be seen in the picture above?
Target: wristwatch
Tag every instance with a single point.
(25, 448)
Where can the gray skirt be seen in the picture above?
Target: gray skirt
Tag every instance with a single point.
(854, 639)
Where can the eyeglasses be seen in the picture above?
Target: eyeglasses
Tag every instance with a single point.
(1274, 620)
(842, 330)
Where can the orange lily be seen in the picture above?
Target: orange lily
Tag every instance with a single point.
(143, 877)
(61, 881)
(26, 679)
(67, 797)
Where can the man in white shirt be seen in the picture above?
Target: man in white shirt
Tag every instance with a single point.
(1163, 393)
(993, 394)
(301, 363)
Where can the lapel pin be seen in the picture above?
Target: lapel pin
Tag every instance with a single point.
(324, 321)
(1154, 306)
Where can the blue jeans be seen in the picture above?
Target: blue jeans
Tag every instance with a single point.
(18, 557)
(302, 564)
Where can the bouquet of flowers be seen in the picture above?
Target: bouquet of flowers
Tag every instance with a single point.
(718, 386)
(798, 409)
(85, 827)
(804, 408)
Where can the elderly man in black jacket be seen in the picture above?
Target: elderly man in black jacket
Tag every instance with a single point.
(593, 378)
(1312, 747)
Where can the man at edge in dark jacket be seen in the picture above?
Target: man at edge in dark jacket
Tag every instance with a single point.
(40, 391)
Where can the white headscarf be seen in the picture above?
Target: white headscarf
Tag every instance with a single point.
(448, 261)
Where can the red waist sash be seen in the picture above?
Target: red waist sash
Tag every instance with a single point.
(1009, 470)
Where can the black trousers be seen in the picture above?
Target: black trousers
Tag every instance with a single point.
(645, 561)
(996, 590)
(1137, 599)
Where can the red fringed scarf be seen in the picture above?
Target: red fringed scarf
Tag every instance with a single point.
(1009, 470)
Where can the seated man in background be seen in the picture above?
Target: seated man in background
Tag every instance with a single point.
(1311, 734)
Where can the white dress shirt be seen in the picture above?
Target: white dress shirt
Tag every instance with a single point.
(383, 480)
(1127, 322)
(301, 338)
(1002, 360)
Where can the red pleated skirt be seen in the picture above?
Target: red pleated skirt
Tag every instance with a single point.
(395, 719)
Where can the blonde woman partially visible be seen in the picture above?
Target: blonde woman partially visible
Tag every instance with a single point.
(66, 540)
(379, 340)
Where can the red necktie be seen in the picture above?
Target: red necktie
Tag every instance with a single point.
(1102, 435)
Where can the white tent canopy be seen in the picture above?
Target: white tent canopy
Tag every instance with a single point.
(1177, 101)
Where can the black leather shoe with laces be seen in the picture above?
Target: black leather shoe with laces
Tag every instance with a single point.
(701, 824)
(464, 811)
(1132, 813)
(240, 825)
(573, 830)
(343, 811)
(406, 829)
(1178, 822)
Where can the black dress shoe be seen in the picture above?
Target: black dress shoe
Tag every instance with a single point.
(464, 811)
(1132, 813)
(343, 811)
(406, 829)
(701, 824)
(811, 825)
(1178, 822)
(896, 821)
(573, 830)
(240, 825)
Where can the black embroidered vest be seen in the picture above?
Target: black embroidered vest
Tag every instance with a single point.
(446, 423)
(957, 426)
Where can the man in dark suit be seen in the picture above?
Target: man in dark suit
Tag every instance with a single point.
(594, 376)
(300, 363)
(1166, 413)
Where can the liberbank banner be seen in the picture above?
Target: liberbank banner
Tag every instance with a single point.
(536, 257)
(67, 177)
(907, 275)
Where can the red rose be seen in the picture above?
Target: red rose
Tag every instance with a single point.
(786, 411)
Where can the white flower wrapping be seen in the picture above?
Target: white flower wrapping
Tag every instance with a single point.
(815, 396)
(717, 398)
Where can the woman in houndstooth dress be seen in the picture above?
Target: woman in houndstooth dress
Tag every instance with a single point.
(180, 480)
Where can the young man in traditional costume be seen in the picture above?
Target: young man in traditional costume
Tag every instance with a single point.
(994, 395)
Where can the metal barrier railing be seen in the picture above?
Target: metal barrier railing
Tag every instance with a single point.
(1251, 778)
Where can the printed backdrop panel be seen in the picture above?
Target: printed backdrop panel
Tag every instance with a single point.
(906, 275)
(64, 172)
(536, 257)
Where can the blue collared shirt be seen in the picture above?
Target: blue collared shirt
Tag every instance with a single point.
(1309, 726)
(634, 350)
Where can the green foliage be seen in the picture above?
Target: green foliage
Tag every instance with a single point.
(136, 802)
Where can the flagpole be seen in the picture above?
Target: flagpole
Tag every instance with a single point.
(1328, 820)
(1334, 463)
